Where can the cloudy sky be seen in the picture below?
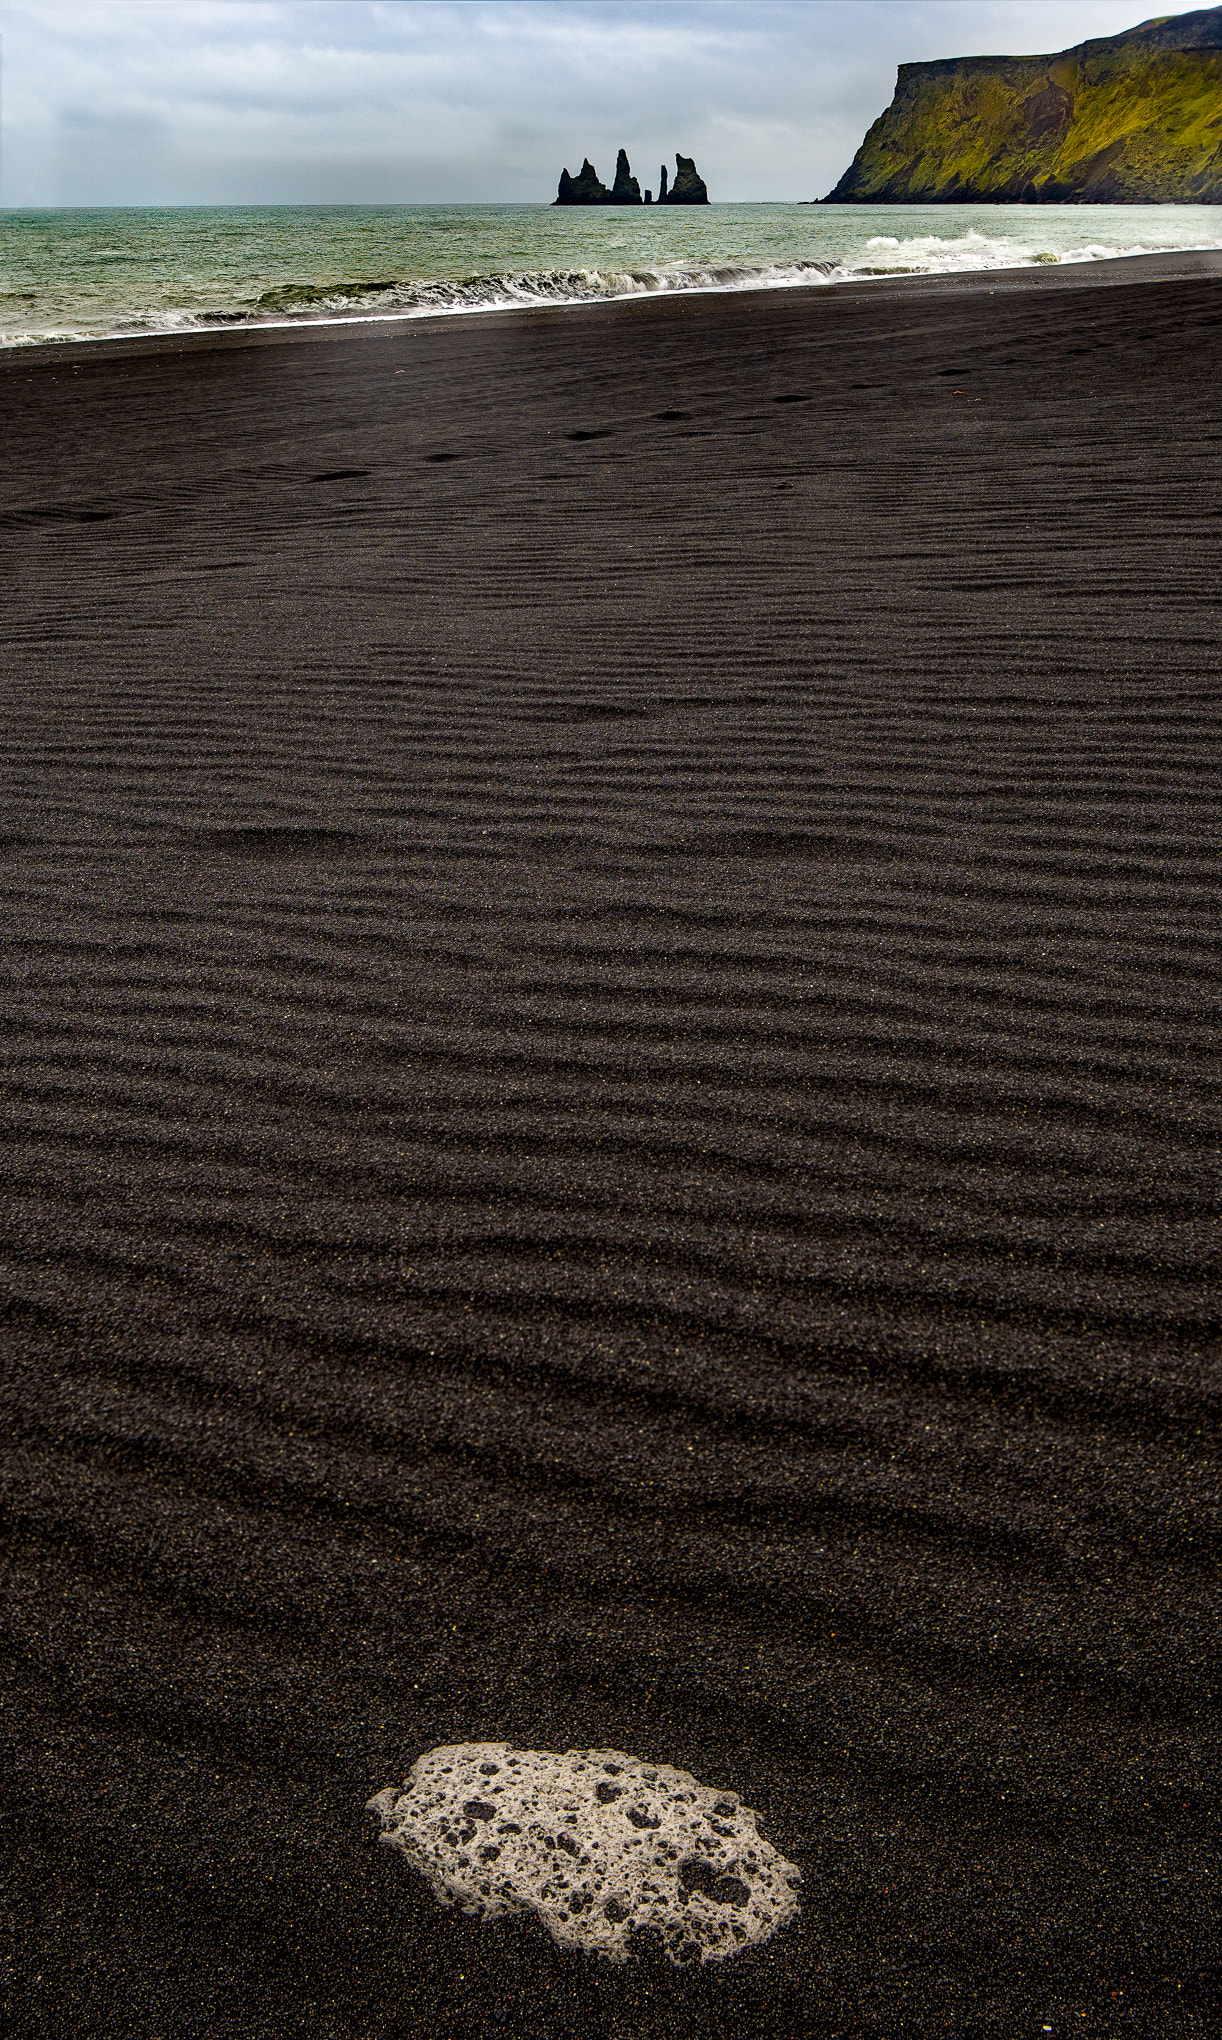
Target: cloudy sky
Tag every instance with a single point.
(173, 102)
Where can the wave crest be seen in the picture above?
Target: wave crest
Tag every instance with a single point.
(529, 287)
(370, 298)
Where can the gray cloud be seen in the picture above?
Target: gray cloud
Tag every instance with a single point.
(318, 101)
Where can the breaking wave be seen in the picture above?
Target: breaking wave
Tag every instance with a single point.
(406, 298)
(364, 298)
(938, 255)
(532, 287)
(883, 255)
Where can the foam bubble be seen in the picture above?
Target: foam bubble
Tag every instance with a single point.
(598, 1845)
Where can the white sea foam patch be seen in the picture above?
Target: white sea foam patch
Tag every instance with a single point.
(939, 255)
(599, 1846)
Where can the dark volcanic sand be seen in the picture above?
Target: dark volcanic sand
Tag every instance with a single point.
(612, 1032)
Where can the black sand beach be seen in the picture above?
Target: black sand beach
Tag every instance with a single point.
(611, 1031)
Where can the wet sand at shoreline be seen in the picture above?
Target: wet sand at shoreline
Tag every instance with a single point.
(611, 1037)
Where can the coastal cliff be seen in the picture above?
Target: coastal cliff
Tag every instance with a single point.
(1127, 119)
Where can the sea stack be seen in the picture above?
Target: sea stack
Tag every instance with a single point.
(584, 189)
(625, 190)
(588, 189)
(1128, 119)
(689, 187)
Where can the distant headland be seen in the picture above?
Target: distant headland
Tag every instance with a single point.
(689, 187)
(1132, 119)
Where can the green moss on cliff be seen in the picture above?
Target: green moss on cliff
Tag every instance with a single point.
(1127, 119)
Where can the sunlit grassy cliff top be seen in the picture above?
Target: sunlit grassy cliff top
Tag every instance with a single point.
(1129, 119)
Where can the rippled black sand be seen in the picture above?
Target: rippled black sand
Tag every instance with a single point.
(611, 1032)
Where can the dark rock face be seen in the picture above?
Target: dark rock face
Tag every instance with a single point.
(662, 187)
(1127, 119)
(688, 188)
(584, 189)
(625, 190)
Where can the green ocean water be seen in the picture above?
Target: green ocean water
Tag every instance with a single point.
(82, 274)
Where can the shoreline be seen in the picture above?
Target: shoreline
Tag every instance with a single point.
(1171, 265)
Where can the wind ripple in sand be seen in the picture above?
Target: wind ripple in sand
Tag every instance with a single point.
(612, 1115)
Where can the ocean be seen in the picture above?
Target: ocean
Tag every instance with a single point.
(80, 274)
